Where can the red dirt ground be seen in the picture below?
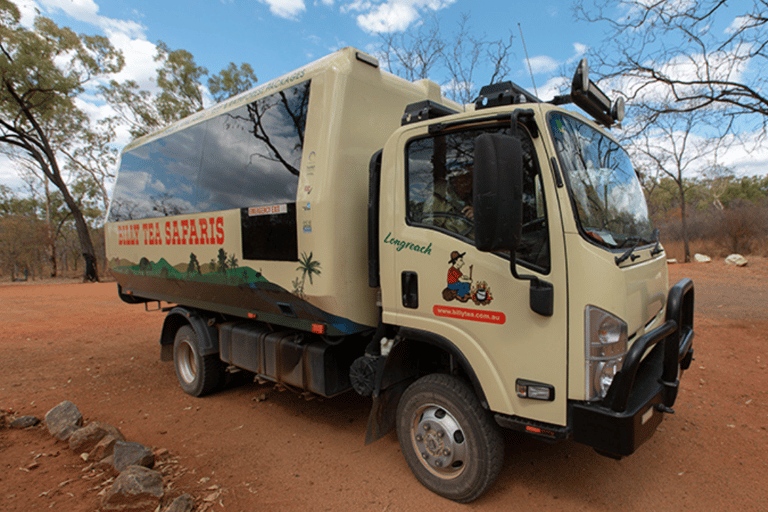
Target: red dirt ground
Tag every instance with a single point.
(255, 448)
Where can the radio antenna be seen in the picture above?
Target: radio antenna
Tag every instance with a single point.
(528, 60)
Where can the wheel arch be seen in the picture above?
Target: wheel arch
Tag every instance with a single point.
(414, 356)
(425, 339)
(207, 335)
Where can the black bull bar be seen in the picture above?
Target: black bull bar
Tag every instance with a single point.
(645, 387)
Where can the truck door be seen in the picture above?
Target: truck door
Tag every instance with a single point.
(441, 284)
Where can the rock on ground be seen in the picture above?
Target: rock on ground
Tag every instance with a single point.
(136, 489)
(701, 258)
(63, 420)
(184, 503)
(103, 448)
(737, 260)
(86, 438)
(130, 454)
(24, 422)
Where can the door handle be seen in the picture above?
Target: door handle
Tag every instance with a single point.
(410, 287)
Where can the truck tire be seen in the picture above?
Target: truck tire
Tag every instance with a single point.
(451, 443)
(198, 375)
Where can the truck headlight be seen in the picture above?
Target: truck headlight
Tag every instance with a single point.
(605, 339)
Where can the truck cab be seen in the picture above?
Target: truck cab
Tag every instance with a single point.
(516, 239)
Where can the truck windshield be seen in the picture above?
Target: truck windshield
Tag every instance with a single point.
(609, 202)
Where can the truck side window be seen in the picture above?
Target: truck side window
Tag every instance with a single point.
(246, 156)
(439, 191)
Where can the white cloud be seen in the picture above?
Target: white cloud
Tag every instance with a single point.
(81, 10)
(747, 156)
(139, 60)
(289, 9)
(579, 50)
(9, 175)
(555, 86)
(87, 11)
(28, 11)
(392, 15)
(542, 64)
(694, 69)
(125, 35)
(739, 24)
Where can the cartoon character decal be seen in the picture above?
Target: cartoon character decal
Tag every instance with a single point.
(460, 286)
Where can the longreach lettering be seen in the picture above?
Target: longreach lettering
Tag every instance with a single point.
(200, 231)
(402, 244)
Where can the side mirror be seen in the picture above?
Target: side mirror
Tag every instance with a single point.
(497, 199)
(497, 191)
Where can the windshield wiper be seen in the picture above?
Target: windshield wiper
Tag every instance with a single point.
(628, 253)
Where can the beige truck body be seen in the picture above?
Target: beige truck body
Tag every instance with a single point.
(352, 109)
(467, 266)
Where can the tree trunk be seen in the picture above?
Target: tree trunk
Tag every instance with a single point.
(684, 221)
(49, 231)
(84, 236)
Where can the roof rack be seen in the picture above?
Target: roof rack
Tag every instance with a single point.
(584, 93)
(423, 110)
(504, 93)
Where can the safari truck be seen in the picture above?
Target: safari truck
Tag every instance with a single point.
(471, 268)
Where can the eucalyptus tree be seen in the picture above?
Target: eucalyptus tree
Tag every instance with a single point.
(44, 69)
(179, 91)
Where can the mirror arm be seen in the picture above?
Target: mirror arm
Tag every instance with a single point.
(542, 296)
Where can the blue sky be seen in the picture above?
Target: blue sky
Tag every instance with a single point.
(277, 36)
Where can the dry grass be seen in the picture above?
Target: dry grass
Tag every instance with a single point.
(711, 247)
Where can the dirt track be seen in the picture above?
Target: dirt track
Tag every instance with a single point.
(254, 448)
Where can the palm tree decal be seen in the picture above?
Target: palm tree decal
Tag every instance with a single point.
(308, 267)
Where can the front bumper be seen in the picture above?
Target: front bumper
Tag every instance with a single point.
(645, 388)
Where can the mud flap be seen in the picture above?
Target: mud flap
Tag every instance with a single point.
(384, 411)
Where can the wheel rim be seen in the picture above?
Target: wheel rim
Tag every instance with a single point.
(187, 364)
(439, 441)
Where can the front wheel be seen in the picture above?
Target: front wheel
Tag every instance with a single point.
(198, 375)
(451, 443)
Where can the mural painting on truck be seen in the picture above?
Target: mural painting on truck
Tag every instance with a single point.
(187, 190)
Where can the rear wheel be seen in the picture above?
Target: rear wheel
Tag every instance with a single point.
(198, 375)
(451, 443)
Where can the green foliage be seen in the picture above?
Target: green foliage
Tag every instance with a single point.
(730, 213)
(231, 81)
(179, 79)
(181, 93)
(135, 107)
(44, 69)
(753, 189)
(12, 205)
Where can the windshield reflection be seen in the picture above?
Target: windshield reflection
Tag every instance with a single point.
(609, 202)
